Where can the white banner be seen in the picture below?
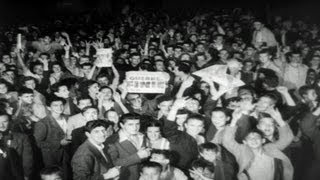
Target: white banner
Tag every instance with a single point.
(146, 82)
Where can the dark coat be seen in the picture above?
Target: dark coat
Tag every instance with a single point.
(48, 135)
(89, 164)
(78, 137)
(21, 145)
(184, 146)
(124, 154)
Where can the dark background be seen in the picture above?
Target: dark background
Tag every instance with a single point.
(34, 10)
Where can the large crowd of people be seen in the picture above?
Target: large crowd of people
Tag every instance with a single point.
(64, 117)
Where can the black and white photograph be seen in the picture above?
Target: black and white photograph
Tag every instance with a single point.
(159, 90)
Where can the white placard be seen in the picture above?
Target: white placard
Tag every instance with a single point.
(147, 82)
(104, 57)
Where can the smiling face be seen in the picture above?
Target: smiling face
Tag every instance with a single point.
(4, 123)
(254, 140)
(194, 127)
(219, 119)
(98, 135)
(153, 133)
(267, 126)
(131, 126)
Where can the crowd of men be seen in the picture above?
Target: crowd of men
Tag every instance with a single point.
(63, 117)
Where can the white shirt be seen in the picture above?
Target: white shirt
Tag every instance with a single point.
(262, 167)
(63, 124)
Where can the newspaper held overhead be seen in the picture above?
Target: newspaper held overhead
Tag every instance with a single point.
(218, 74)
(104, 57)
(147, 82)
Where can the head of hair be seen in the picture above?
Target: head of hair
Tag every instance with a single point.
(94, 124)
(54, 98)
(28, 78)
(47, 171)
(209, 146)
(164, 98)
(303, 90)
(225, 111)
(197, 117)
(203, 164)
(254, 131)
(88, 107)
(24, 90)
(271, 81)
(150, 164)
(184, 67)
(167, 154)
(129, 116)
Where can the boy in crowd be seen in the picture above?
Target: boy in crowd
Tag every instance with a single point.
(169, 172)
(127, 148)
(256, 160)
(184, 143)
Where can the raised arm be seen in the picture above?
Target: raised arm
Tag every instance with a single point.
(115, 81)
(285, 132)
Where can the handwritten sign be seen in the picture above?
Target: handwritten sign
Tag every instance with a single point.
(146, 82)
(104, 57)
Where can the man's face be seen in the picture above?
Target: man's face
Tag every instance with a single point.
(315, 61)
(295, 58)
(181, 118)
(311, 95)
(177, 52)
(223, 54)
(153, 133)
(248, 66)
(254, 140)
(263, 104)
(149, 173)
(94, 89)
(103, 81)
(193, 105)
(56, 107)
(98, 135)
(165, 106)
(47, 40)
(131, 126)
(86, 69)
(267, 126)
(219, 119)
(84, 103)
(209, 155)
(38, 69)
(257, 26)
(135, 60)
(113, 117)
(6, 59)
(31, 84)
(63, 92)
(3, 89)
(249, 51)
(91, 114)
(194, 127)
(160, 66)
(56, 69)
(4, 123)
(135, 100)
(51, 177)
(27, 98)
(264, 58)
(44, 57)
(200, 48)
(107, 93)
(219, 40)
